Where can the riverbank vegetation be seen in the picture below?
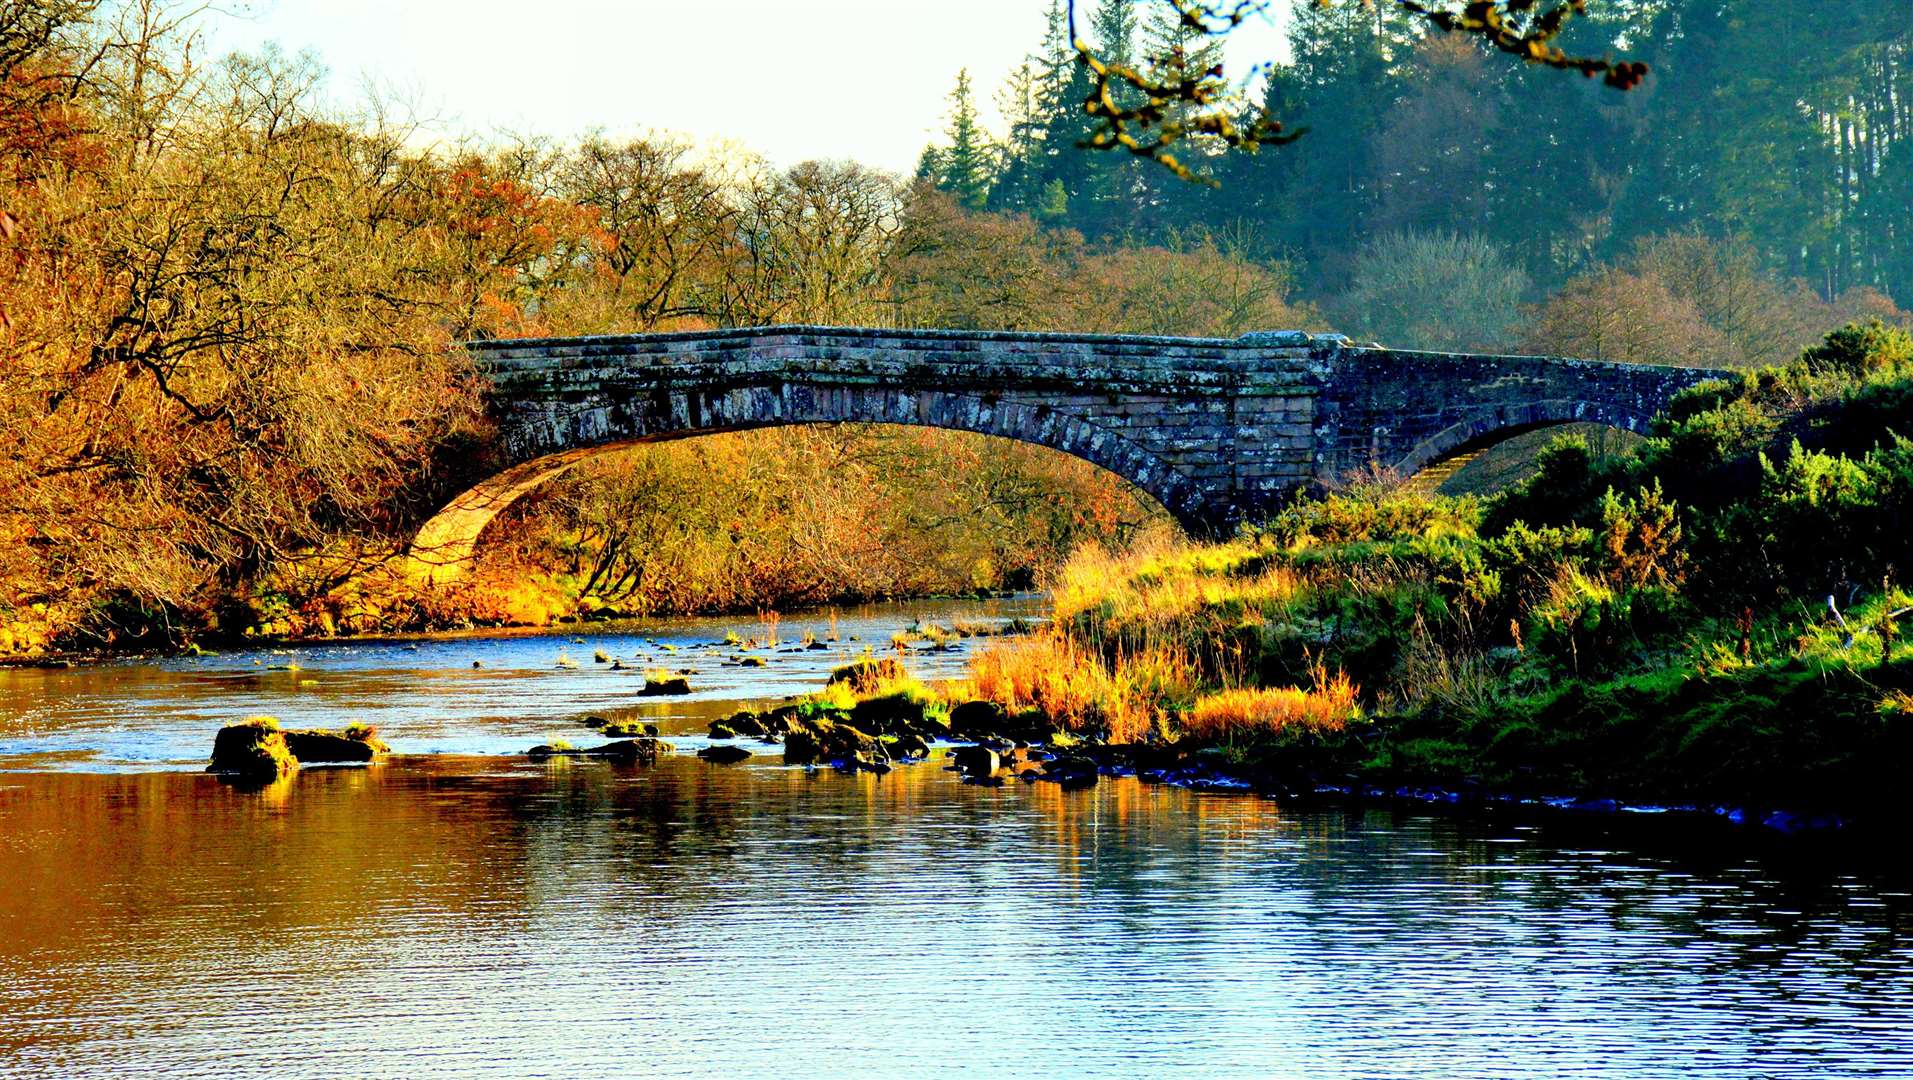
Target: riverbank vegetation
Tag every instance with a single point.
(232, 387)
(1714, 617)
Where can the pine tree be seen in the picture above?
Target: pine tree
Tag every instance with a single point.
(1172, 51)
(1112, 31)
(967, 166)
(1018, 188)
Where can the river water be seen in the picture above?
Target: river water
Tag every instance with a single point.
(460, 912)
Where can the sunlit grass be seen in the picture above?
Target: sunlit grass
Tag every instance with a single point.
(1233, 713)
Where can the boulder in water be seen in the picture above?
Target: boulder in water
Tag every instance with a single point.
(660, 686)
(905, 747)
(724, 755)
(357, 744)
(747, 723)
(254, 749)
(975, 760)
(1072, 773)
(819, 739)
(630, 751)
(624, 751)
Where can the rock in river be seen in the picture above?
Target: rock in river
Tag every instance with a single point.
(819, 739)
(355, 744)
(724, 755)
(905, 747)
(975, 760)
(255, 749)
(656, 686)
(624, 751)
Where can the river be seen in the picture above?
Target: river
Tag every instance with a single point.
(456, 911)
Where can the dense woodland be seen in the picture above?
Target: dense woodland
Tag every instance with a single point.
(231, 384)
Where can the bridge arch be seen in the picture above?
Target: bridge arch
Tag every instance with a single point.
(446, 545)
(1485, 429)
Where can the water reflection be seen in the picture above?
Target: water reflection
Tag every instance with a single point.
(455, 916)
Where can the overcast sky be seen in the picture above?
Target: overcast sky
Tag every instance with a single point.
(790, 79)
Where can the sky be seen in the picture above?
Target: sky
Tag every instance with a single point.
(866, 80)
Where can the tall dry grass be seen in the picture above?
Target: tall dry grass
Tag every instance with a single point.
(1125, 700)
(1228, 714)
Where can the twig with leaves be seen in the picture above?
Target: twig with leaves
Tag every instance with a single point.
(1148, 110)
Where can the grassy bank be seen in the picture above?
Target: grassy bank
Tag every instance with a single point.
(1710, 618)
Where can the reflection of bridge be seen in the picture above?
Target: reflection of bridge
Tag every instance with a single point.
(1214, 429)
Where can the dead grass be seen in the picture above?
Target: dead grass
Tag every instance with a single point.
(1250, 711)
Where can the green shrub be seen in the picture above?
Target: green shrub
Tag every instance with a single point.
(1853, 350)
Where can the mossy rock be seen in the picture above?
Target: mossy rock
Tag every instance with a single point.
(354, 745)
(819, 740)
(724, 755)
(891, 714)
(254, 749)
(672, 686)
(627, 729)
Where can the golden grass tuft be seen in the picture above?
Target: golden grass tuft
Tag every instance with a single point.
(1228, 714)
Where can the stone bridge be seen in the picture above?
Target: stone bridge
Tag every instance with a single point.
(1217, 430)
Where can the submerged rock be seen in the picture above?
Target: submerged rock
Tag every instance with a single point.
(254, 749)
(724, 755)
(624, 751)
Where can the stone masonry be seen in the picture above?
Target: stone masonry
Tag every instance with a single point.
(1215, 429)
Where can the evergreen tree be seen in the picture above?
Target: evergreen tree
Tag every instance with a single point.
(1112, 30)
(966, 167)
(1019, 187)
